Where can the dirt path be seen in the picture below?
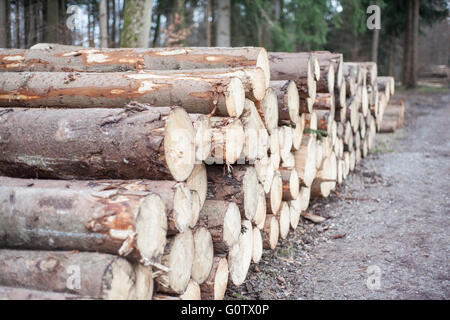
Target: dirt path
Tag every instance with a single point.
(392, 215)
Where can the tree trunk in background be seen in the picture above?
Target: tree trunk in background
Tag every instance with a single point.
(137, 16)
(415, 44)
(32, 15)
(114, 24)
(17, 23)
(223, 24)
(207, 23)
(407, 45)
(3, 24)
(51, 32)
(103, 22)
(391, 56)
(375, 41)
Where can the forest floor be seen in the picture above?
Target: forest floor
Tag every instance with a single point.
(387, 228)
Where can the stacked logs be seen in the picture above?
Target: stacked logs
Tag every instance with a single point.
(163, 173)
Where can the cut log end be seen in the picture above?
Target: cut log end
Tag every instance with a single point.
(144, 282)
(122, 283)
(276, 193)
(257, 245)
(262, 61)
(182, 207)
(215, 286)
(284, 217)
(179, 144)
(151, 227)
(231, 224)
(271, 232)
(240, 255)
(249, 184)
(198, 181)
(178, 257)
(235, 97)
(203, 255)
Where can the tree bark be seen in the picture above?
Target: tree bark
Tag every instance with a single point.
(101, 276)
(195, 91)
(137, 16)
(95, 143)
(104, 216)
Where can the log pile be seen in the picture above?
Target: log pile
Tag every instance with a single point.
(164, 173)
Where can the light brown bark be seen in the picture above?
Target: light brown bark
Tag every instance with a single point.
(127, 143)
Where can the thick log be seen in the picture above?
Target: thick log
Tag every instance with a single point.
(299, 67)
(227, 140)
(271, 232)
(215, 286)
(94, 275)
(237, 185)
(154, 143)
(126, 59)
(178, 258)
(104, 216)
(325, 101)
(223, 221)
(195, 91)
(240, 255)
(11, 293)
(203, 255)
(288, 100)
